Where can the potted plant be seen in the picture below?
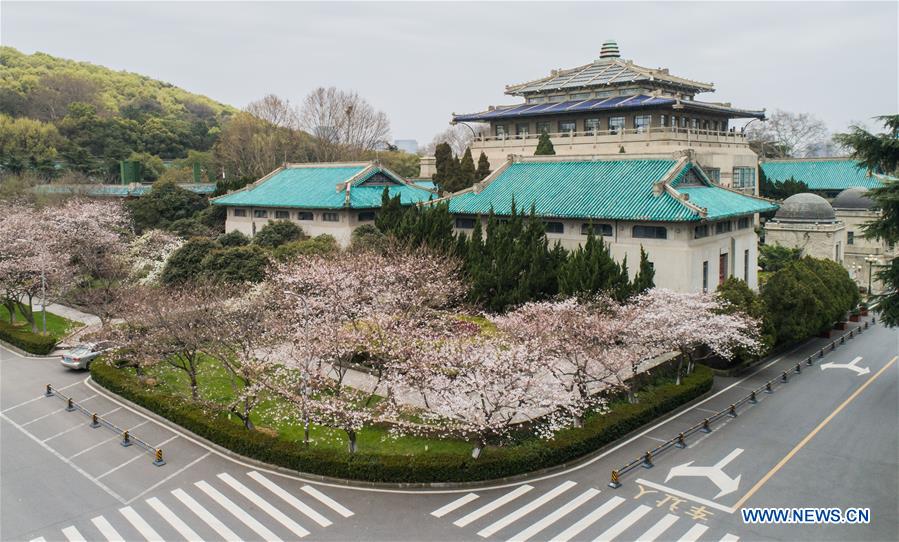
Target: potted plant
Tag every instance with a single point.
(863, 309)
(854, 317)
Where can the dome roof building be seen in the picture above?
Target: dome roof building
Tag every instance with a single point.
(853, 198)
(805, 207)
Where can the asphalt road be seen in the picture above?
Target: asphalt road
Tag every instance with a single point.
(827, 438)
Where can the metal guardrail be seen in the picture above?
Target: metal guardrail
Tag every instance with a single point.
(705, 426)
(98, 421)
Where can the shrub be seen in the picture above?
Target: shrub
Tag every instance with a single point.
(495, 462)
(368, 237)
(190, 227)
(26, 340)
(236, 264)
(185, 263)
(277, 233)
(321, 245)
(233, 238)
(164, 204)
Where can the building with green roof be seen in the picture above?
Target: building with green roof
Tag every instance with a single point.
(128, 191)
(322, 198)
(696, 232)
(824, 176)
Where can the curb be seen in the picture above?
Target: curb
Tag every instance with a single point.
(23, 353)
(222, 451)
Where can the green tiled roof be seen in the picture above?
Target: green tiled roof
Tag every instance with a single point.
(611, 189)
(117, 190)
(836, 174)
(316, 188)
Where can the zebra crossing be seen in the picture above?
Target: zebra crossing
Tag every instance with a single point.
(564, 513)
(227, 508)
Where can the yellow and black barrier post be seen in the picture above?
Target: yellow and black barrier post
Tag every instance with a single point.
(810, 361)
(70, 407)
(614, 483)
(732, 411)
(752, 397)
(705, 426)
(49, 391)
(681, 442)
(159, 461)
(768, 387)
(126, 439)
(95, 422)
(798, 368)
(647, 460)
(784, 378)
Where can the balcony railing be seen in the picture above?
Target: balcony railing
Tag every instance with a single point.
(657, 133)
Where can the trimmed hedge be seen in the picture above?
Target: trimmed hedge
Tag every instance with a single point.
(26, 340)
(495, 462)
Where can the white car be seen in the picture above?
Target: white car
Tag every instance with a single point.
(81, 356)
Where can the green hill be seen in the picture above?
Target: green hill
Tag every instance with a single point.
(88, 117)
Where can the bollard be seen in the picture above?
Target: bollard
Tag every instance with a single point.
(614, 483)
(768, 387)
(95, 423)
(69, 406)
(873, 320)
(833, 346)
(159, 460)
(681, 443)
(705, 426)
(861, 328)
(851, 333)
(126, 440)
(732, 411)
(866, 325)
(49, 391)
(821, 353)
(783, 377)
(647, 460)
(752, 398)
(798, 368)
(810, 361)
(843, 339)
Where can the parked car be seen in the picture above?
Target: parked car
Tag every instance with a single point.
(81, 356)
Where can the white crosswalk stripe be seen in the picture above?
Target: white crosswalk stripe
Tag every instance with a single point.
(183, 529)
(142, 526)
(238, 512)
(290, 499)
(694, 533)
(625, 522)
(729, 538)
(220, 528)
(458, 503)
(493, 505)
(656, 530)
(107, 530)
(72, 534)
(555, 516)
(328, 501)
(264, 505)
(38, 539)
(588, 520)
(526, 509)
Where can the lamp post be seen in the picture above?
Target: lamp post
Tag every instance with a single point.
(870, 259)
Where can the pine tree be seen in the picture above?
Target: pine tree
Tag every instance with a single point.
(390, 214)
(645, 278)
(466, 170)
(452, 181)
(483, 168)
(544, 145)
(443, 157)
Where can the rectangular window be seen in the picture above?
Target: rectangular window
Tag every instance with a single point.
(694, 123)
(663, 120)
(673, 121)
(566, 126)
(591, 126)
(616, 124)
(722, 227)
(260, 213)
(580, 96)
(642, 122)
(723, 125)
(331, 217)
(744, 177)
(650, 232)
(839, 253)
(521, 129)
(366, 216)
(746, 265)
(850, 237)
(598, 229)
(542, 127)
(554, 227)
(240, 212)
(683, 122)
(701, 231)
(722, 268)
(705, 125)
(465, 223)
(555, 99)
(744, 222)
(500, 130)
(705, 276)
(304, 215)
(282, 215)
(713, 173)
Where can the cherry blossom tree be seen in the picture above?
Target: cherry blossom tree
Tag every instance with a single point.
(148, 254)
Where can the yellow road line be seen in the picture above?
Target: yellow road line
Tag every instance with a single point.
(811, 435)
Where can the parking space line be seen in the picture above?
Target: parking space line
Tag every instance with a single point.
(166, 441)
(461, 501)
(39, 397)
(694, 533)
(588, 520)
(278, 515)
(183, 529)
(167, 478)
(328, 501)
(39, 418)
(290, 499)
(220, 528)
(72, 534)
(237, 512)
(526, 509)
(141, 525)
(112, 470)
(65, 460)
(97, 445)
(61, 433)
(107, 530)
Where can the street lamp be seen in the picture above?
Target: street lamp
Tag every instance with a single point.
(870, 259)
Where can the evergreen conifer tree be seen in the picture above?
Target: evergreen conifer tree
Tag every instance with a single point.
(466, 170)
(645, 278)
(544, 145)
(443, 157)
(483, 168)
(390, 214)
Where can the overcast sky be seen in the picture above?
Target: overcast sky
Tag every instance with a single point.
(420, 62)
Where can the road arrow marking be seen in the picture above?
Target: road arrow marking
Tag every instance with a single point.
(851, 366)
(715, 473)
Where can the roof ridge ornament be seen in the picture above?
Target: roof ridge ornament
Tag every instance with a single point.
(609, 50)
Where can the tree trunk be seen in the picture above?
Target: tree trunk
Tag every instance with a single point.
(194, 386)
(680, 365)
(478, 448)
(631, 394)
(351, 435)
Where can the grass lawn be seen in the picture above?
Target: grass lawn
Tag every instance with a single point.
(215, 385)
(57, 326)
